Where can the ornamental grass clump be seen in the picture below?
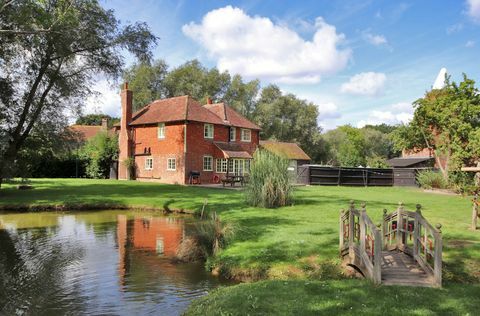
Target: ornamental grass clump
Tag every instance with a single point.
(270, 183)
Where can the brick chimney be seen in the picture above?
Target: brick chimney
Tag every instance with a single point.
(104, 124)
(209, 100)
(124, 139)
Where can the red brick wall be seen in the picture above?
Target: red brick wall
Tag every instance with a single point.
(160, 150)
(198, 146)
(172, 146)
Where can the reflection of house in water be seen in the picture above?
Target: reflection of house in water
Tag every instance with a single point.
(160, 235)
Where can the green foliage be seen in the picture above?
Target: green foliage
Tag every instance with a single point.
(51, 51)
(100, 151)
(269, 185)
(197, 81)
(447, 120)
(462, 182)
(289, 119)
(147, 81)
(96, 120)
(352, 147)
(429, 179)
(130, 164)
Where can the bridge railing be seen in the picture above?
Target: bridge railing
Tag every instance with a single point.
(411, 233)
(361, 240)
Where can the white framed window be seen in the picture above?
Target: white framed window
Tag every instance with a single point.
(246, 135)
(221, 166)
(233, 132)
(207, 163)
(208, 130)
(149, 164)
(161, 130)
(171, 164)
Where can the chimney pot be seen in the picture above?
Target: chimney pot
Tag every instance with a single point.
(125, 86)
(104, 123)
(209, 100)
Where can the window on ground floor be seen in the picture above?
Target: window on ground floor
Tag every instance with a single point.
(207, 163)
(171, 164)
(149, 164)
(221, 166)
(239, 166)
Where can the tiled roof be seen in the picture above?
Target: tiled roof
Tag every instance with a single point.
(86, 131)
(230, 116)
(232, 150)
(182, 108)
(288, 150)
(407, 162)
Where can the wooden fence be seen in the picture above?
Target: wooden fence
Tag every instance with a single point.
(312, 174)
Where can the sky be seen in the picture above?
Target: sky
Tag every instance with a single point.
(360, 61)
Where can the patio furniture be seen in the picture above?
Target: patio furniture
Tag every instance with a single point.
(232, 180)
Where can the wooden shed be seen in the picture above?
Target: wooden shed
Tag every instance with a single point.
(291, 151)
(405, 169)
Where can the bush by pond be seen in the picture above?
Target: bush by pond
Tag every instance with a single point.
(270, 184)
(429, 179)
(209, 236)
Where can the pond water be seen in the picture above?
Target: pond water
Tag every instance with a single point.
(100, 263)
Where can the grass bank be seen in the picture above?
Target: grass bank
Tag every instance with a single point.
(298, 243)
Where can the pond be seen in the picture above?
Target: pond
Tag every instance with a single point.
(100, 263)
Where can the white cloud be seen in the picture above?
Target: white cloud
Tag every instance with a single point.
(375, 39)
(254, 46)
(470, 44)
(327, 111)
(106, 100)
(399, 113)
(474, 9)
(365, 83)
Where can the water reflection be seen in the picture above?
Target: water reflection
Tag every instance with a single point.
(109, 263)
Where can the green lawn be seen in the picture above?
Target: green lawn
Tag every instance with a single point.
(297, 243)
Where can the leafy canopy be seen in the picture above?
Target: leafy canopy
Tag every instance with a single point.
(51, 52)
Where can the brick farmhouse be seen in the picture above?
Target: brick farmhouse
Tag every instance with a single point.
(172, 139)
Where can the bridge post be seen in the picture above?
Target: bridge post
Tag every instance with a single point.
(416, 230)
(363, 212)
(351, 224)
(437, 272)
(342, 231)
(400, 235)
(377, 259)
(384, 229)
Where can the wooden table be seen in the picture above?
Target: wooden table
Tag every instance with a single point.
(233, 179)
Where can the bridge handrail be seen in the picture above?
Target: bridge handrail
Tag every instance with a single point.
(410, 232)
(363, 236)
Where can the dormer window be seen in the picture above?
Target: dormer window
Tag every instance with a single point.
(233, 132)
(246, 135)
(208, 130)
(161, 131)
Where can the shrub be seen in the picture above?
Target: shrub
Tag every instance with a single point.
(270, 184)
(99, 152)
(429, 179)
(208, 237)
(462, 182)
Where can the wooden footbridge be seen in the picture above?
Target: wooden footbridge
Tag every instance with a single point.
(404, 249)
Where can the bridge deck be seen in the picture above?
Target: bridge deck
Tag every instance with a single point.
(399, 268)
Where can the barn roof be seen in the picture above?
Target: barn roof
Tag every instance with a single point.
(288, 150)
(86, 131)
(406, 162)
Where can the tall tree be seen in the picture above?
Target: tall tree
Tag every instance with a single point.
(197, 81)
(447, 121)
(51, 50)
(242, 95)
(147, 80)
(287, 118)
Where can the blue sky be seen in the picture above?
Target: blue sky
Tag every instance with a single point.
(359, 61)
